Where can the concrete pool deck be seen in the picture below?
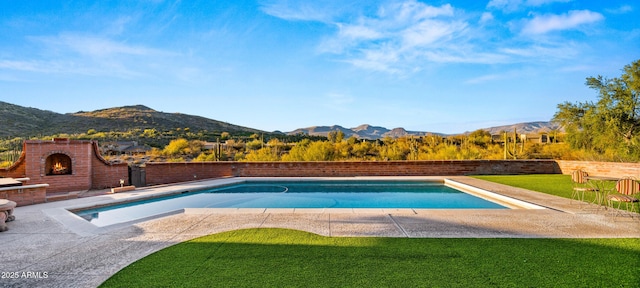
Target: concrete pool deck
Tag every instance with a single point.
(48, 247)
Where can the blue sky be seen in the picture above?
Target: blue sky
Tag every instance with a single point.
(438, 66)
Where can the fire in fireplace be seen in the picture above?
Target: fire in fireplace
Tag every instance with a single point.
(58, 164)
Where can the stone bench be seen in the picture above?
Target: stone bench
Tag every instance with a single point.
(6, 213)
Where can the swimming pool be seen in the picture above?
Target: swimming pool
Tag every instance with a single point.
(299, 194)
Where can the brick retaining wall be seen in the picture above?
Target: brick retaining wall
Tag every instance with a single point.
(163, 173)
(168, 172)
(395, 168)
(105, 174)
(610, 169)
(25, 195)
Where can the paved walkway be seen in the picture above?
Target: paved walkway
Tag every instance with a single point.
(47, 246)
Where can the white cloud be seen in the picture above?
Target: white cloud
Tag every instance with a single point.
(486, 17)
(543, 53)
(447, 56)
(68, 67)
(30, 66)
(507, 5)
(430, 31)
(298, 10)
(412, 11)
(514, 5)
(358, 32)
(621, 10)
(573, 19)
(407, 36)
(536, 3)
(378, 59)
(484, 78)
(96, 46)
(119, 25)
(395, 38)
(73, 54)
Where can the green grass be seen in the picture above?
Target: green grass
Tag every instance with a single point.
(290, 258)
(554, 184)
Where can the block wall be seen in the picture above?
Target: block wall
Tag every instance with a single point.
(594, 168)
(25, 196)
(163, 173)
(105, 174)
(394, 168)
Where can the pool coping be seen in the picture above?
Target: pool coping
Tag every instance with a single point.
(43, 239)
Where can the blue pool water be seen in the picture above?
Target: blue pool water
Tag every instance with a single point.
(298, 194)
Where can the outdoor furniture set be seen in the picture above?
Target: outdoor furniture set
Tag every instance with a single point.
(605, 194)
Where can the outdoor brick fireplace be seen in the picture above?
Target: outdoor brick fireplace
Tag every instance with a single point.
(66, 165)
(58, 164)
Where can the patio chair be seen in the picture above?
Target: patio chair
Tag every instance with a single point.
(625, 188)
(580, 185)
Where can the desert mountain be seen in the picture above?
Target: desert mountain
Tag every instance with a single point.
(364, 131)
(527, 128)
(375, 132)
(18, 121)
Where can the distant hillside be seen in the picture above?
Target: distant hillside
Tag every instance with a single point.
(364, 131)
(527, 128)
(18, 121)
(375, 132)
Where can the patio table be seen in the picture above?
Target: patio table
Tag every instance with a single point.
(599, 183)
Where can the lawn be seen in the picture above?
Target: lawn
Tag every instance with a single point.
(555, 184)
(290, 258)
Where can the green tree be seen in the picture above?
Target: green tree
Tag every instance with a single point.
(262, 154)
(395, 149)
(335, 136)
(205, 157)
(364, 150)
(255, 144)
(182, 146)
(319, 151)
(298, 151)
(610, 126)
(176, 147)
(149, 133)
(480, 138)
